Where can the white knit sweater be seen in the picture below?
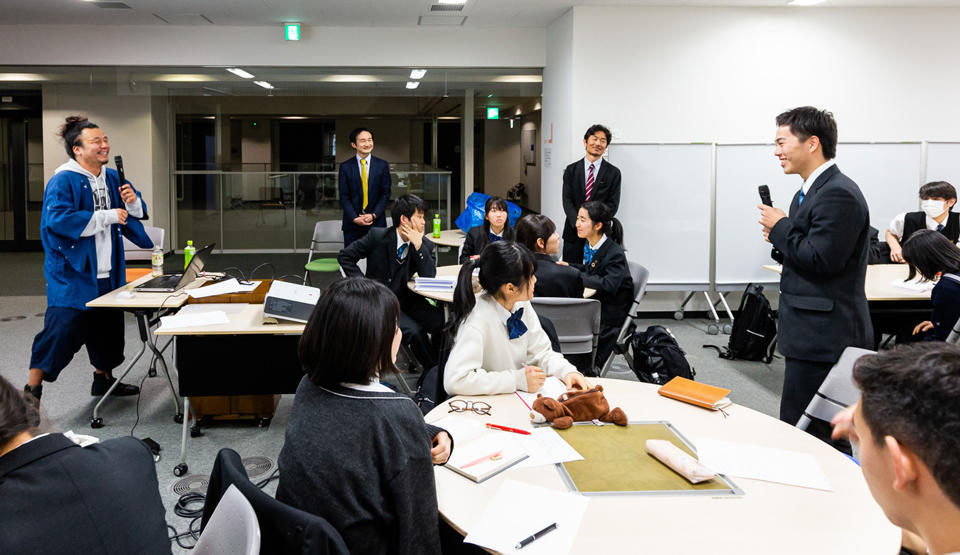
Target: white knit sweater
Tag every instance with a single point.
(485, 361)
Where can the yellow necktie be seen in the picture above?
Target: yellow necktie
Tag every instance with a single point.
(363, 179)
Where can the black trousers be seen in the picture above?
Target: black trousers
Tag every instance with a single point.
(801, 381)
(418, 318)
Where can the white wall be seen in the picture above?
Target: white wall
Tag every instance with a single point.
(264, 46)
(557, 150)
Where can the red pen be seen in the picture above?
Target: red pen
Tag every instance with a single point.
(506, 429)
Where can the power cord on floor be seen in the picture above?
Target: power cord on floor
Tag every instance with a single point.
(139, 394)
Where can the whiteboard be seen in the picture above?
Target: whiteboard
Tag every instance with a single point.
(741, 250)
(943, 163)
(665, 205)
(888, 174)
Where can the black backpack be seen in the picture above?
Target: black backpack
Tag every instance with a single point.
(657, 357)
(754, 330)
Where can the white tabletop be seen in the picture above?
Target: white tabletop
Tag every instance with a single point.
(244, 319)
(769, 518)
(449, 238)
(454, 271)
(126, 297)
(878, 284)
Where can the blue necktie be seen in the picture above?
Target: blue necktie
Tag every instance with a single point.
(588, 253)
(800, 198)
(494, 237)
(400, 250)
(939, 227)
(515, 326)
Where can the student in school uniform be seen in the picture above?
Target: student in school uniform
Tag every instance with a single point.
(355, 452)
(394, 255)
(539, 234)
(496, 227)
(930, 253)
(937, 198)
(499, 345)
(605, 269)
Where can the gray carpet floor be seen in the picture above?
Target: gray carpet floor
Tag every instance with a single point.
(67, 404)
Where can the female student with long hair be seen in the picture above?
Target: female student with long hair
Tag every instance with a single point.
(499, 345)
(539, 234)
(355, 452)
(605, 269)
(929, 252)
(496, 227)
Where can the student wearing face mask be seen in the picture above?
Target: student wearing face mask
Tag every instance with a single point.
(936, 200)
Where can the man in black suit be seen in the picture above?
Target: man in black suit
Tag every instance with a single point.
(590, 178)
(393, 256)
(364, 182)
(824, 243)
(59, 497)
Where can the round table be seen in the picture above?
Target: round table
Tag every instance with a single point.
(768, 518)
(449, 238)
(454, 271)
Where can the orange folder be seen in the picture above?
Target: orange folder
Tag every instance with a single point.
(695, 393)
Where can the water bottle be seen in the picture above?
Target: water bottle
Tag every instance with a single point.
(436, 225)
(156, 260)
(188, 253)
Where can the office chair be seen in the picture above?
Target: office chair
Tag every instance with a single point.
(640, 276)
(837, 391)
(327, 237)
(577, 322)
(233, 527)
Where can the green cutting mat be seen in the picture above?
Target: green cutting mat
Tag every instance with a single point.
(616, 461)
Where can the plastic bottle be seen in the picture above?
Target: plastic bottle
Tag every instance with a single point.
(436, 225)
(188, 253)
(156, 260)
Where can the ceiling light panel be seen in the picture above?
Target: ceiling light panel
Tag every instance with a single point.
(417, 73)
(263, 84)
(240, 73)
(413, 84)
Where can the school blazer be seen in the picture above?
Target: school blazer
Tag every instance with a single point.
(824, 241)
(351, 192)
(471, 245)
(609, 274)
(379, 247)
(554, 280)
(606, 189)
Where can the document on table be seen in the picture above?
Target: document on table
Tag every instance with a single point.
(518, 510)
(552, 387)
(744, 460)
(545, 446)
(915, 285)
(223, 288)
(194, 319)
(435, 283)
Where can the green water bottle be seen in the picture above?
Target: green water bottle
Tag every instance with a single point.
(436, 225)
(188, 253)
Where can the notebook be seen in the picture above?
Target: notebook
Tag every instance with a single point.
(696, 393)
(480, 454)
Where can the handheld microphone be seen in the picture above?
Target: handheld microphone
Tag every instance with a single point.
(763, 189)
(119, 162)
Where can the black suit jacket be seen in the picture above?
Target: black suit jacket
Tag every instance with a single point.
(554, 280)
(824, 241)
(606, 189)
(351, 192)
(609, 274)
(475, 241)
(379, 247)
(58, 497)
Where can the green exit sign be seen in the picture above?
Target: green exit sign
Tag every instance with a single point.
(493, 112)
(291, 31)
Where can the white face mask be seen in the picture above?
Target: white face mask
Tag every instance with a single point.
(933, 208)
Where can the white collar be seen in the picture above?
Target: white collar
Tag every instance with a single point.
(816, 173)
(603, 239)
(367, 157)
(596, 165)
(502, 312)
(373, 387)
(400, 241)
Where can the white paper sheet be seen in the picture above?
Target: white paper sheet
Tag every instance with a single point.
(223, 288)
(916, 286)
(178, 321)
(552, 387)
(744, 460)
(545, 446)
(462, 428)
(518, 510)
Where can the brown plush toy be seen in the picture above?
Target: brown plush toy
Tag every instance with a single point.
(578, 406)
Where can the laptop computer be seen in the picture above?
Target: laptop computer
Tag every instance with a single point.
(167, 283)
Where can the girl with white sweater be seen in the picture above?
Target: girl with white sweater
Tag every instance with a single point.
(499, 345)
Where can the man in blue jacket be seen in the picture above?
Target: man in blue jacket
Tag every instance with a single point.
(364, 182)
(86, 213)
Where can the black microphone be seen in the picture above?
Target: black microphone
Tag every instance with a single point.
(119, 162)
(764, 193)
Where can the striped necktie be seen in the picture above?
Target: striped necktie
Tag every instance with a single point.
(590, 184)
(363, 179)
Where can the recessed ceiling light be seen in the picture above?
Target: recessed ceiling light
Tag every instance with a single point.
(455, 2)
(23, 77)
(263, 84)
(417, 73)
(804, 2)
(413, 84)
(240, 73)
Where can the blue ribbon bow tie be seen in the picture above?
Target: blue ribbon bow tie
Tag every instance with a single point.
(588, 253)
(494, 237)
(515, 326)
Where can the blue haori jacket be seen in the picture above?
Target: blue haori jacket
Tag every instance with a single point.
(70, 264)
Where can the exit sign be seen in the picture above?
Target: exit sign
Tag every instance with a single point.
(493, 112)
(291, 31)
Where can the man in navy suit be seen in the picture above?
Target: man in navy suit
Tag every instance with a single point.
(824, 243)
(590, 178)
(364, 182)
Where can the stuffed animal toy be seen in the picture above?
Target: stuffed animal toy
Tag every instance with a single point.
(577, 406)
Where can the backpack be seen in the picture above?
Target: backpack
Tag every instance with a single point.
(754, 330)
(657, 357)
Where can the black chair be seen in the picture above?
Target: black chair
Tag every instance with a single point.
(283, 529)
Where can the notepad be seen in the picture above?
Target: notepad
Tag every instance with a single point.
(552, 387)
(435, 283)
(188, 320)
(762, 463)
(223, 288)
(485, 457)
(696, 393)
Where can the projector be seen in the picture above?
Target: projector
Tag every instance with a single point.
(287, 301)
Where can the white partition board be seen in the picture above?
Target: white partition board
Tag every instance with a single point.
(741, 250)
(887, 173)
(665, 210)
(943, 163)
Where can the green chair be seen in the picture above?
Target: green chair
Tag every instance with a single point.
(327, 237)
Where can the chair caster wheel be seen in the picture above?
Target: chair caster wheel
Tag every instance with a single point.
(263, 422)
(152, 372)
(178, 418)
(96, 422)
(180, 469)
(195, 431)
(678, 315)
(727, 329)
(713, 329)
